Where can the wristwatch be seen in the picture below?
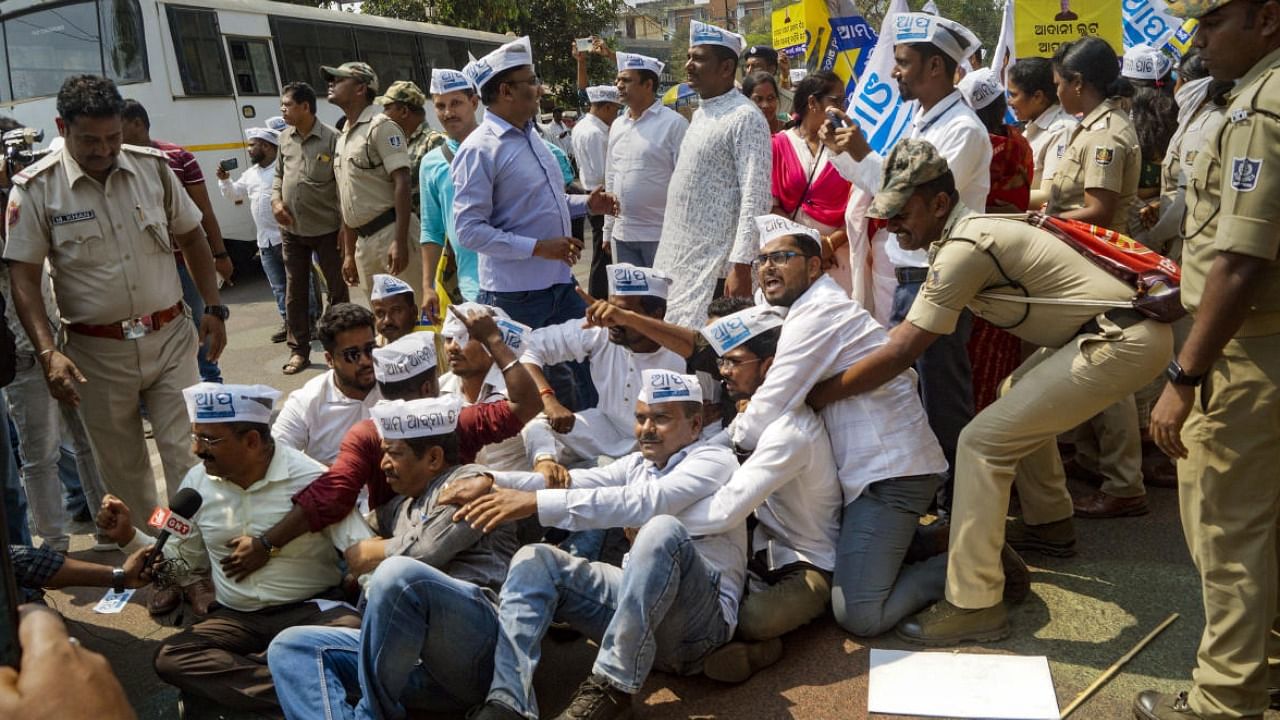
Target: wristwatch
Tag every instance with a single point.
(117, 580)
(1178, 376)
(544, 456)
(272, 550)
(219, 311)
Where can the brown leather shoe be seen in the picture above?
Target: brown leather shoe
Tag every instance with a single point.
(1152, 705)
(929, 540)
(200, 595)
(1057, 539)
(1074, 470)
(164, 600)
(1158, 469)
(1101, 505)
(1017, 576)
(944, 625)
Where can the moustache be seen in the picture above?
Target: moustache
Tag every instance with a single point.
(650, 439)
(205, 456)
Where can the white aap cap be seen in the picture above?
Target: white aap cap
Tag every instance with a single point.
(264, 134)
(949, 36)
(514, 334)
(407, 357)
(732, 330)
(444, 80)
(217, 403)
(628, 279)
(664, 386)
(712, 390)
(603, 93)
(634, 61)
(772, 227)
(980, 88)
(404, 419)
(1143, 62)
(701, 33)
(384, 286)
(277, 123)
(514, 54)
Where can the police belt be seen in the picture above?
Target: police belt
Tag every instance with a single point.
(1122, 317)
(377, 223)
(131, 329)
(907, 275)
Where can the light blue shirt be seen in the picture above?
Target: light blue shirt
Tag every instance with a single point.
(509, 194)
(435, 183)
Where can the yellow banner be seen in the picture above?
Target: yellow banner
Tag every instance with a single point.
(823, 35)
(788, 27)
(1040, 27)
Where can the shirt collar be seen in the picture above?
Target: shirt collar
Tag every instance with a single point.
(277, 471)
(334, 394)
(1047, 118)
(503, 127)
(958, 213)
(653, 109)
(366, 115)
(653, 471)
(1096, 114)
(940, 108)
(1258, 68)
(75, 172)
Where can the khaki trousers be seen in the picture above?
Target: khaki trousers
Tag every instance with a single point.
(795, 595)
(1110, 444)
(1230, 504)
(120, 373)
(371, 259)
(1015, 440)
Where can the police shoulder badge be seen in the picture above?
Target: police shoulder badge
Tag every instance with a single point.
(1244, 173)
(1103, 155)
(12, 212)
(395, 141)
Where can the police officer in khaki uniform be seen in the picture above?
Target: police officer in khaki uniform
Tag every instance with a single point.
(1096, 182)
(406, 104)
(103, 214)
(1223, 385)
(1089, 357)
(372, 167)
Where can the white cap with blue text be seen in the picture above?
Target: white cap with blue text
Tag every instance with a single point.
(603, 93)
(628, 279)
(405, 419)
(218, 403)
(277, 123)
(980, 88)
(444, 80)
(701, 33)
(772, 227)
(514, 54)
(384, 286)
(1143, 62)
(949, 36)
(514, 334)
(732, 330)
(664, 386)
(407, 357)
(263, 134)
(635, 61)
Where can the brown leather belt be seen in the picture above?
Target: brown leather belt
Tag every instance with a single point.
(130, 329)
(377, 223)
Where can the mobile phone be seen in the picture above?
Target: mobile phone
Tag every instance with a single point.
(835, 121)
(229, 164)
(585, 44)
(10, 650)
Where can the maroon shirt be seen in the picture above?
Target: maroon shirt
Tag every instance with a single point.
(330, 497)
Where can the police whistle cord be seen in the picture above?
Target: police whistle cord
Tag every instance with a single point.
(1110, 672)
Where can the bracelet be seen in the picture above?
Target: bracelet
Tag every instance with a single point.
(510, 365)
(220, 255)
(547, 391)
(47, 352)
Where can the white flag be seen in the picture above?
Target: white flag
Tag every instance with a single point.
(876, 105)
(931, 8)
(1006, 50)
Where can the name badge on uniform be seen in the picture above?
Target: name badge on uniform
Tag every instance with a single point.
(323, 158)
(1102, 155)
(1244, 173)
(1239, 115)
(73, 217)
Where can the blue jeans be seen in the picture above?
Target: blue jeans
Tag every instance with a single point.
(946, 382)
(871, 589)
(425, 643)
(272, 259)
(662, 611)
(540, 308)
(209, 371)
(636, 253)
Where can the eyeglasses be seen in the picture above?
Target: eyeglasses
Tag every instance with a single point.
(779, 257)
(352, 354)
(205, 440)
(534, 80)
(726, 364)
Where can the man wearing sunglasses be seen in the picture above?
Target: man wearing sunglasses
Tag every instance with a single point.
(318, 415)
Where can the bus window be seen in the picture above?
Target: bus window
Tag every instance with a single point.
(46, 46)
(480, 49)
(392, 55)
(458, 49)
(202, 65)
(436, 52)
(303, 46)
(124, 48)
(251, 67)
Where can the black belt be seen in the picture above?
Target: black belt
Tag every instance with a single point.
(907, 275)
(1122, 317)
(377, 223)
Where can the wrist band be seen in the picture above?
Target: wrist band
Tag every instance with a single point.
(47, 352)
(547, 391)
(220, 255)
(510, 365)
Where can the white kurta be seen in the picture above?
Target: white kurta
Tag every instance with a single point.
(720, 184)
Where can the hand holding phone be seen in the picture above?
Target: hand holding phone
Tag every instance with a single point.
(229, 164)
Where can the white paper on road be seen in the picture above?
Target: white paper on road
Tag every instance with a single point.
(113, 602)
(961, 685)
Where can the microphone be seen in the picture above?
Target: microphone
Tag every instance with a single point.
(174, 521)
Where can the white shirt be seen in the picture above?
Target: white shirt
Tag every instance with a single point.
(255, 184)
(641, 157)
(1048, 136)
(879, 434)
(305, 568)
(790, 481)
(560, 135)
(631, 491)
(516, 453)
(318, 415)
(590, 141)
(960, 137)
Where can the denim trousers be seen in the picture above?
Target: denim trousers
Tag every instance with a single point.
(550, 306)
(209, 371)
(871, 589)
(425, 643)
(662, 611)
(636, 253)
(272, 259)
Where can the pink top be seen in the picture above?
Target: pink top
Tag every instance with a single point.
(827, 193)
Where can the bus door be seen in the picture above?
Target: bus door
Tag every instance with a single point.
(253, 77)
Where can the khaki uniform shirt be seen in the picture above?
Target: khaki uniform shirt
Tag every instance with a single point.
(963, 265)
(369, 150)
(305, 182)
(108, 245)
(1232, 202)
(422, 141)
(1103, 153)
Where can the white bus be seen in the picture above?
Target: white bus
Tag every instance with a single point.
(207, 71)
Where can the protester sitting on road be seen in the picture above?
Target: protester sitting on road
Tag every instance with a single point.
(394, 308)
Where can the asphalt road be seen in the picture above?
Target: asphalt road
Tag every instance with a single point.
(1083, 614)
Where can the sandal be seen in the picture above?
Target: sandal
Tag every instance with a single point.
(296, 364)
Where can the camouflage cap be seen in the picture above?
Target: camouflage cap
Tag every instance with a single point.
(403, 91)
(358, 70)
(1188, 9)
(910, 164)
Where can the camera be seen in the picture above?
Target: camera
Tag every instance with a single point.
(19, 148)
